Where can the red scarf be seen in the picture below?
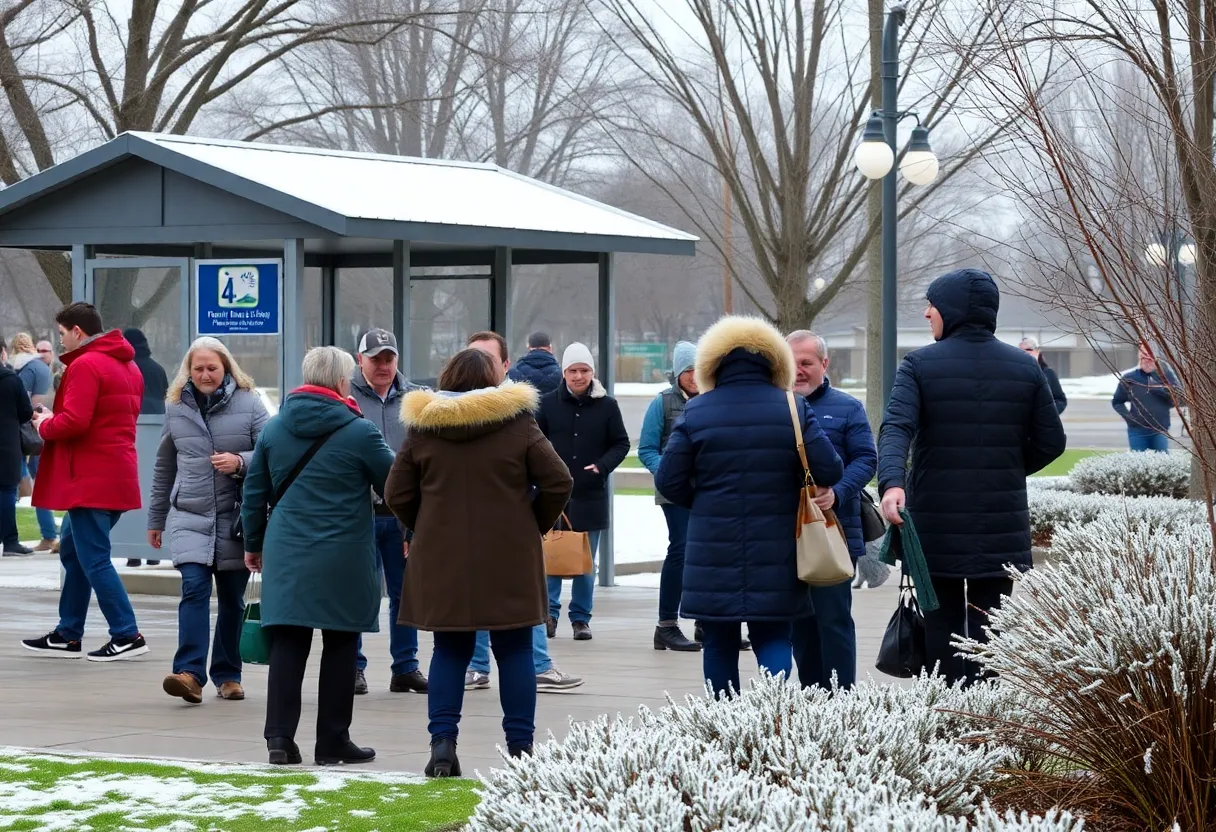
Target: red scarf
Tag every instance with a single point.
(328, 394)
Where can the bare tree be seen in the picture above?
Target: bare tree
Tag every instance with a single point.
(1118, 138)
(777, 95)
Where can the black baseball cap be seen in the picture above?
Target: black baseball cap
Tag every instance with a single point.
(377, 341)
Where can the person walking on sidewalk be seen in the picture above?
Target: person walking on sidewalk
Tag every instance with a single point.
(585, 426)
(549, 677)
(660, 418)
(538, 367)
(35, 375)
(15, 411)
(1144, 399)
(825, 643)
(977, 417)
(314, 465)
(733, 462)
(89, 469)
(378, 387)
(213, 418)
(478, 483)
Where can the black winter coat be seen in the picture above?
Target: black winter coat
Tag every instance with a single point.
(156, 381)
(540, 369)
(587, 430)
(15, 410)
(1053, 381)
(978, 417)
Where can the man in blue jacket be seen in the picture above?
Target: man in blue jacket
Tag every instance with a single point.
(826, 642)
(1143, 400)
(539, 366)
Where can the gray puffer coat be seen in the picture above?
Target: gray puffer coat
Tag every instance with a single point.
(198, 501)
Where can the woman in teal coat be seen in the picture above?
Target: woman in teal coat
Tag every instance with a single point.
(316, 553)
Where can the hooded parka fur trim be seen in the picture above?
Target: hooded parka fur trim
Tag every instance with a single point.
(433, 410)
(752, 334)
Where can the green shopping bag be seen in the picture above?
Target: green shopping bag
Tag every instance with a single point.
(255, 643)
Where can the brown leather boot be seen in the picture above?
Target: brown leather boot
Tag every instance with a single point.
(184, 686)
(45, 545)
(231, 690)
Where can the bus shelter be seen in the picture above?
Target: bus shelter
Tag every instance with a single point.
(263, 246)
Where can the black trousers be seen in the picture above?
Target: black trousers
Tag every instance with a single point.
(962, 612)
(289, 649)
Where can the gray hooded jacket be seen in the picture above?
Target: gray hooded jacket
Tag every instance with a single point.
(198, 502)
(384, 414)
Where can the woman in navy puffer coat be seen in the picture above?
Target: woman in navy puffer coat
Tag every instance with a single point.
(732, 460)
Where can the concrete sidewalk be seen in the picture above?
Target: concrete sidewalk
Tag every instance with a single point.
(119, 708)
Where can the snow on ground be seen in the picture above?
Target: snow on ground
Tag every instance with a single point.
(640, 531)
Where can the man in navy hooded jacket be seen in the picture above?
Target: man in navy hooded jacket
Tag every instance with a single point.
(826, 642)
(978, 418)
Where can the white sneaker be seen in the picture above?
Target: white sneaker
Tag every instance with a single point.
(554, 681)
(474, 680)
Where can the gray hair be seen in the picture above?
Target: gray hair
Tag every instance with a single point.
(327, 367)
(800, 335)
(1027, 341)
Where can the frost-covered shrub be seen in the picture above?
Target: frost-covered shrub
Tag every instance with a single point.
(1115, 648)
(1048, 484)
(1051, 510)
(1133, 475)
(776, 758)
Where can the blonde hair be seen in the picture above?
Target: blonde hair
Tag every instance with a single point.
(327, 367)
(22, 342)
(243, 380)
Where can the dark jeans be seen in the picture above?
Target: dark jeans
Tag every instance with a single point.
(516, 683)
(720, 650)
(671, 579)
(827, 641)
(84, 551)
(390, 556)
(194, 623)
(289, 649)
(8, 517)
(1146, 439)
(963, 612)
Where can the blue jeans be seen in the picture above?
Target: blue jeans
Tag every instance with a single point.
(827, 641)
(671, 579)
(390, 556)
(84, 551)
(8, 517)
(194, 623)
(540, 651)
(720, 650)
(516, 687)
(1146, 439)
(582, 589)
(46, 518)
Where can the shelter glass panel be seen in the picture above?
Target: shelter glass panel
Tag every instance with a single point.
(365, 300)
(444, 312)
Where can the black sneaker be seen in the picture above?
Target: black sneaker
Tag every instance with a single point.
(133, 562)
(16, 550)
(360, 683)
(52, 644)
(413, 682)
(120, 649)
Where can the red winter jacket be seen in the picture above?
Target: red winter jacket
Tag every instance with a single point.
(89, 459)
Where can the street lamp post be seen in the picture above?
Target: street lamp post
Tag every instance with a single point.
(875, 158)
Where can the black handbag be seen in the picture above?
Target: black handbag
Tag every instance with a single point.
(873, 526)
(31, 440)
(238, 525)
(902, 653)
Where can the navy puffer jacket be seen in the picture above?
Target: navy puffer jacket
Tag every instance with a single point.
(732, 460)
(843, 419)
(540, 369)
(978, 417)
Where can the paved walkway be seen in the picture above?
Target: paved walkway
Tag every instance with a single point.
(120, 708)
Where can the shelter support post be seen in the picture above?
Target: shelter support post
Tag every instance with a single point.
(80, 288)
(292, 322)
(329, 304)
(401, 304)
(607, 332)
(500, 293)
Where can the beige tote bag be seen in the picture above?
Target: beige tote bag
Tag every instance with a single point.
(823, 551)
(567, 553)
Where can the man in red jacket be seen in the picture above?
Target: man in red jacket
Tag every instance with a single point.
(89, 470)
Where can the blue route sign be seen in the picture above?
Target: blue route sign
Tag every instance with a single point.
(237, 297)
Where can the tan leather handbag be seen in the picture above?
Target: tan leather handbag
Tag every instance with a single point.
(567, 553)
(823, 551)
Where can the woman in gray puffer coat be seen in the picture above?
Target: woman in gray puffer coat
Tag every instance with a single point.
(213, 417)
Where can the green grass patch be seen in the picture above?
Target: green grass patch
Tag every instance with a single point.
(27, 524)
(1063, 466)
(48, 792)
(633, 463)
(633, 492)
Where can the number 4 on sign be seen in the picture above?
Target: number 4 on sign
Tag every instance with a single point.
(229, 293)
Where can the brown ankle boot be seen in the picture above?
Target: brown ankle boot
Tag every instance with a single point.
(45, 545)
(231, 690)
(184, 686)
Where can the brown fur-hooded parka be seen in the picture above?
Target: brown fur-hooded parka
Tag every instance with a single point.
(463, 482)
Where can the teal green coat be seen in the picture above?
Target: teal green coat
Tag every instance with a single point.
(318, 550)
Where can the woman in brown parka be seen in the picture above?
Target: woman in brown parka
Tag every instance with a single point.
(464, 481)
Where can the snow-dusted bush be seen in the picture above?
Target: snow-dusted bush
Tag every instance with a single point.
(775, 758)
(1048, 484)
(1115, 648)
(1052, 510)
(1133, 475)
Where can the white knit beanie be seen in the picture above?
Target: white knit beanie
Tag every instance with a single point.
(577, 353)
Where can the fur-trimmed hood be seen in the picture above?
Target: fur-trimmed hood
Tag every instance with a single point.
(463, 416)
(754, 335)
